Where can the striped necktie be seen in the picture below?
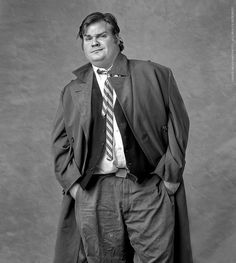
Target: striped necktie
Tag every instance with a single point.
(107, 111)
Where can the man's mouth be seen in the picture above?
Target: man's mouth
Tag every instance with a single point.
(97, 50)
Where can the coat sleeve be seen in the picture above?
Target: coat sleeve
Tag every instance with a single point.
(171, 166)
(66, 170)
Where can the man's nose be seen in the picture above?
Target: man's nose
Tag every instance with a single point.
(95, 42)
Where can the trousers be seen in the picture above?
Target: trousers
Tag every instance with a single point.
(123, 221)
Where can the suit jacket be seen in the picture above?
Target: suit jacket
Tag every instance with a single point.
(151, 102)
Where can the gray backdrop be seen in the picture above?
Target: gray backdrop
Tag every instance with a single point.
(38, 53)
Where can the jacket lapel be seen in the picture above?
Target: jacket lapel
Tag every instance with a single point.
(82, 94)
(121, 82)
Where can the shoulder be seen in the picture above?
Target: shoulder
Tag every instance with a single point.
(148, 65)
(82, 74)
(82, 71)
(150, 69)
(67, 88)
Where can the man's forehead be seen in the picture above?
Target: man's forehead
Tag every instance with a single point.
(97, 28)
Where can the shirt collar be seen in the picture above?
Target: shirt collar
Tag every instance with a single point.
(96, 68)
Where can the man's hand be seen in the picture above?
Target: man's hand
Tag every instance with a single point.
(74, 190)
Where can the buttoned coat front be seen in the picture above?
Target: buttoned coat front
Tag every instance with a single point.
(154, 109)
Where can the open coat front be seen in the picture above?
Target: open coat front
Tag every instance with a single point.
(154, 109)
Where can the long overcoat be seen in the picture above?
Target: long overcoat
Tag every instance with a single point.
(154, 109)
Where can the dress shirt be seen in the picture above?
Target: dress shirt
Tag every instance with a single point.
(110, 166)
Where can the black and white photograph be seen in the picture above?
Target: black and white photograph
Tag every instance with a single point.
(117, 131)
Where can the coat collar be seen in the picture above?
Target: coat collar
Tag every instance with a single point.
(120, 66)
(83, 72)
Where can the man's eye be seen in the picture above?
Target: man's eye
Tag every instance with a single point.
(103, 36)
(87, 38)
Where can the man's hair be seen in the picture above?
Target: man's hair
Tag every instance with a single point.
(96, 17)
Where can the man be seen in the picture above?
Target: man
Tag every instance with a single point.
(119, 143)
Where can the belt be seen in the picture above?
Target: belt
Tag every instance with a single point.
(123, 173)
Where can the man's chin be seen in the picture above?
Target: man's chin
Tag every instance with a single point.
(98, 62)
(97, 58)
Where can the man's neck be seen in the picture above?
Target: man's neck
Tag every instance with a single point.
(109, 66)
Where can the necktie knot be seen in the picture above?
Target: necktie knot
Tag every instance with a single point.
(102, 72)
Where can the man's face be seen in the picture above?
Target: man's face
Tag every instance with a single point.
(99, 45)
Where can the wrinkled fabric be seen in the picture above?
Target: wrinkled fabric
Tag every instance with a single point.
(161, 133)
(117, 213)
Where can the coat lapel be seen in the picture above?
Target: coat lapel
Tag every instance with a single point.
(82, 94)
(121, 82)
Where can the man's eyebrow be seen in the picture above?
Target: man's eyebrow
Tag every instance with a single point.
(96, 35)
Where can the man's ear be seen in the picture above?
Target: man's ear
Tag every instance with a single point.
(118, 39)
